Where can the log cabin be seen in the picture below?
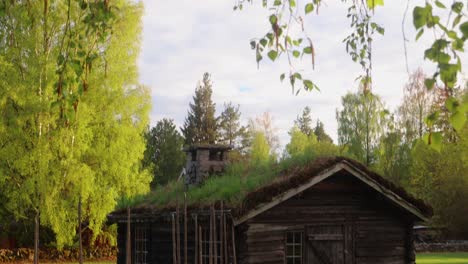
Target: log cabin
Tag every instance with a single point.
(331, 211)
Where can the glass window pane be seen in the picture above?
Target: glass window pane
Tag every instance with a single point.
(297, 237)
(297, 250)
(289, 251)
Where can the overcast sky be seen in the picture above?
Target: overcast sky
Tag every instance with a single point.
(183, 39)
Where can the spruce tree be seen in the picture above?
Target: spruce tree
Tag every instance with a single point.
(304, 122)
(320, 133)
(164, 155)
(201, 125)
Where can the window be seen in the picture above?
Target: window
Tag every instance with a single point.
(294, 242)
(141, 243)
(205, 243)
(216, 155)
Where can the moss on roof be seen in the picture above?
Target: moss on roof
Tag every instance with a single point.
(242, 188)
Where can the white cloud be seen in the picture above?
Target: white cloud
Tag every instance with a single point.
(183, 39)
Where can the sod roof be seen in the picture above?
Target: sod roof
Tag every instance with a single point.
(242, 193)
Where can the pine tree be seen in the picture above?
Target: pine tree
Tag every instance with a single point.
(304, 122)
(201, 126)
(320, 133)
(230, 130)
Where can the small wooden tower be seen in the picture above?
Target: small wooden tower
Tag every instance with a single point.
(203, 161)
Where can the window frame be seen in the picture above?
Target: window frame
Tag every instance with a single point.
(205, 244)
(287, 244)
(141, 242)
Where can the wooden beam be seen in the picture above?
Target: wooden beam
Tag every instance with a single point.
(288, 194)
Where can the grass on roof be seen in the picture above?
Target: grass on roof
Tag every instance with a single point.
(231, 187)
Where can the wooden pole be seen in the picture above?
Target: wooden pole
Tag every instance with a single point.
(36, 236)
(128, 250)
(221, 236)
(215, 236)
(80, 230)
(178, 232)
(185, 228)
(174, 246)
(196, 240)
(211, 235)
(200, 245)
(233, 244)
(226, 257)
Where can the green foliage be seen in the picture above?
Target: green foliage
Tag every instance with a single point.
(200, 125)
(440, 177)
(360, 124)
(230, 129)
(287, 34)
(445, 52)
(164, 154)
(300, 142)
(260, 149)
(61, 147)
(320, 133)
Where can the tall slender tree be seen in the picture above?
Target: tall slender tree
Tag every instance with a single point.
(201, 125)
(360, 124)
(304, 122)
(416, 106)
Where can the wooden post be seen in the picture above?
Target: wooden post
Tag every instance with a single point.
(196, 240)
(174, 246)
(211, 236)
(128, 250)
(221, 236)
(178, 232)
(233, 244)
(226, 257)
(36, 236)
(215, 236)
(200, 245)
(80, 230)
(185, 228)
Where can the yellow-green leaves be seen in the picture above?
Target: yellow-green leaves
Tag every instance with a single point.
(464, 30)
(309, 8)
(272, 54)
(374, 3)
(434, 139)
(420, 15)
(273, 19)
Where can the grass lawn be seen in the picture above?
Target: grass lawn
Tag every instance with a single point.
(442, 258)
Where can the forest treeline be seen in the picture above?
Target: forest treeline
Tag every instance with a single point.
(392, 143)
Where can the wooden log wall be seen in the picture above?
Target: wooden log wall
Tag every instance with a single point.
(374, 231)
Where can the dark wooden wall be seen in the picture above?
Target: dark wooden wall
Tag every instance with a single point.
(375, 230)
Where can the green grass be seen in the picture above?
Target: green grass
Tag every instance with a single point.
(231, 187)
(442, 258)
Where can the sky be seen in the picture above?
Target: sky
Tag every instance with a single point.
(183, 39)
